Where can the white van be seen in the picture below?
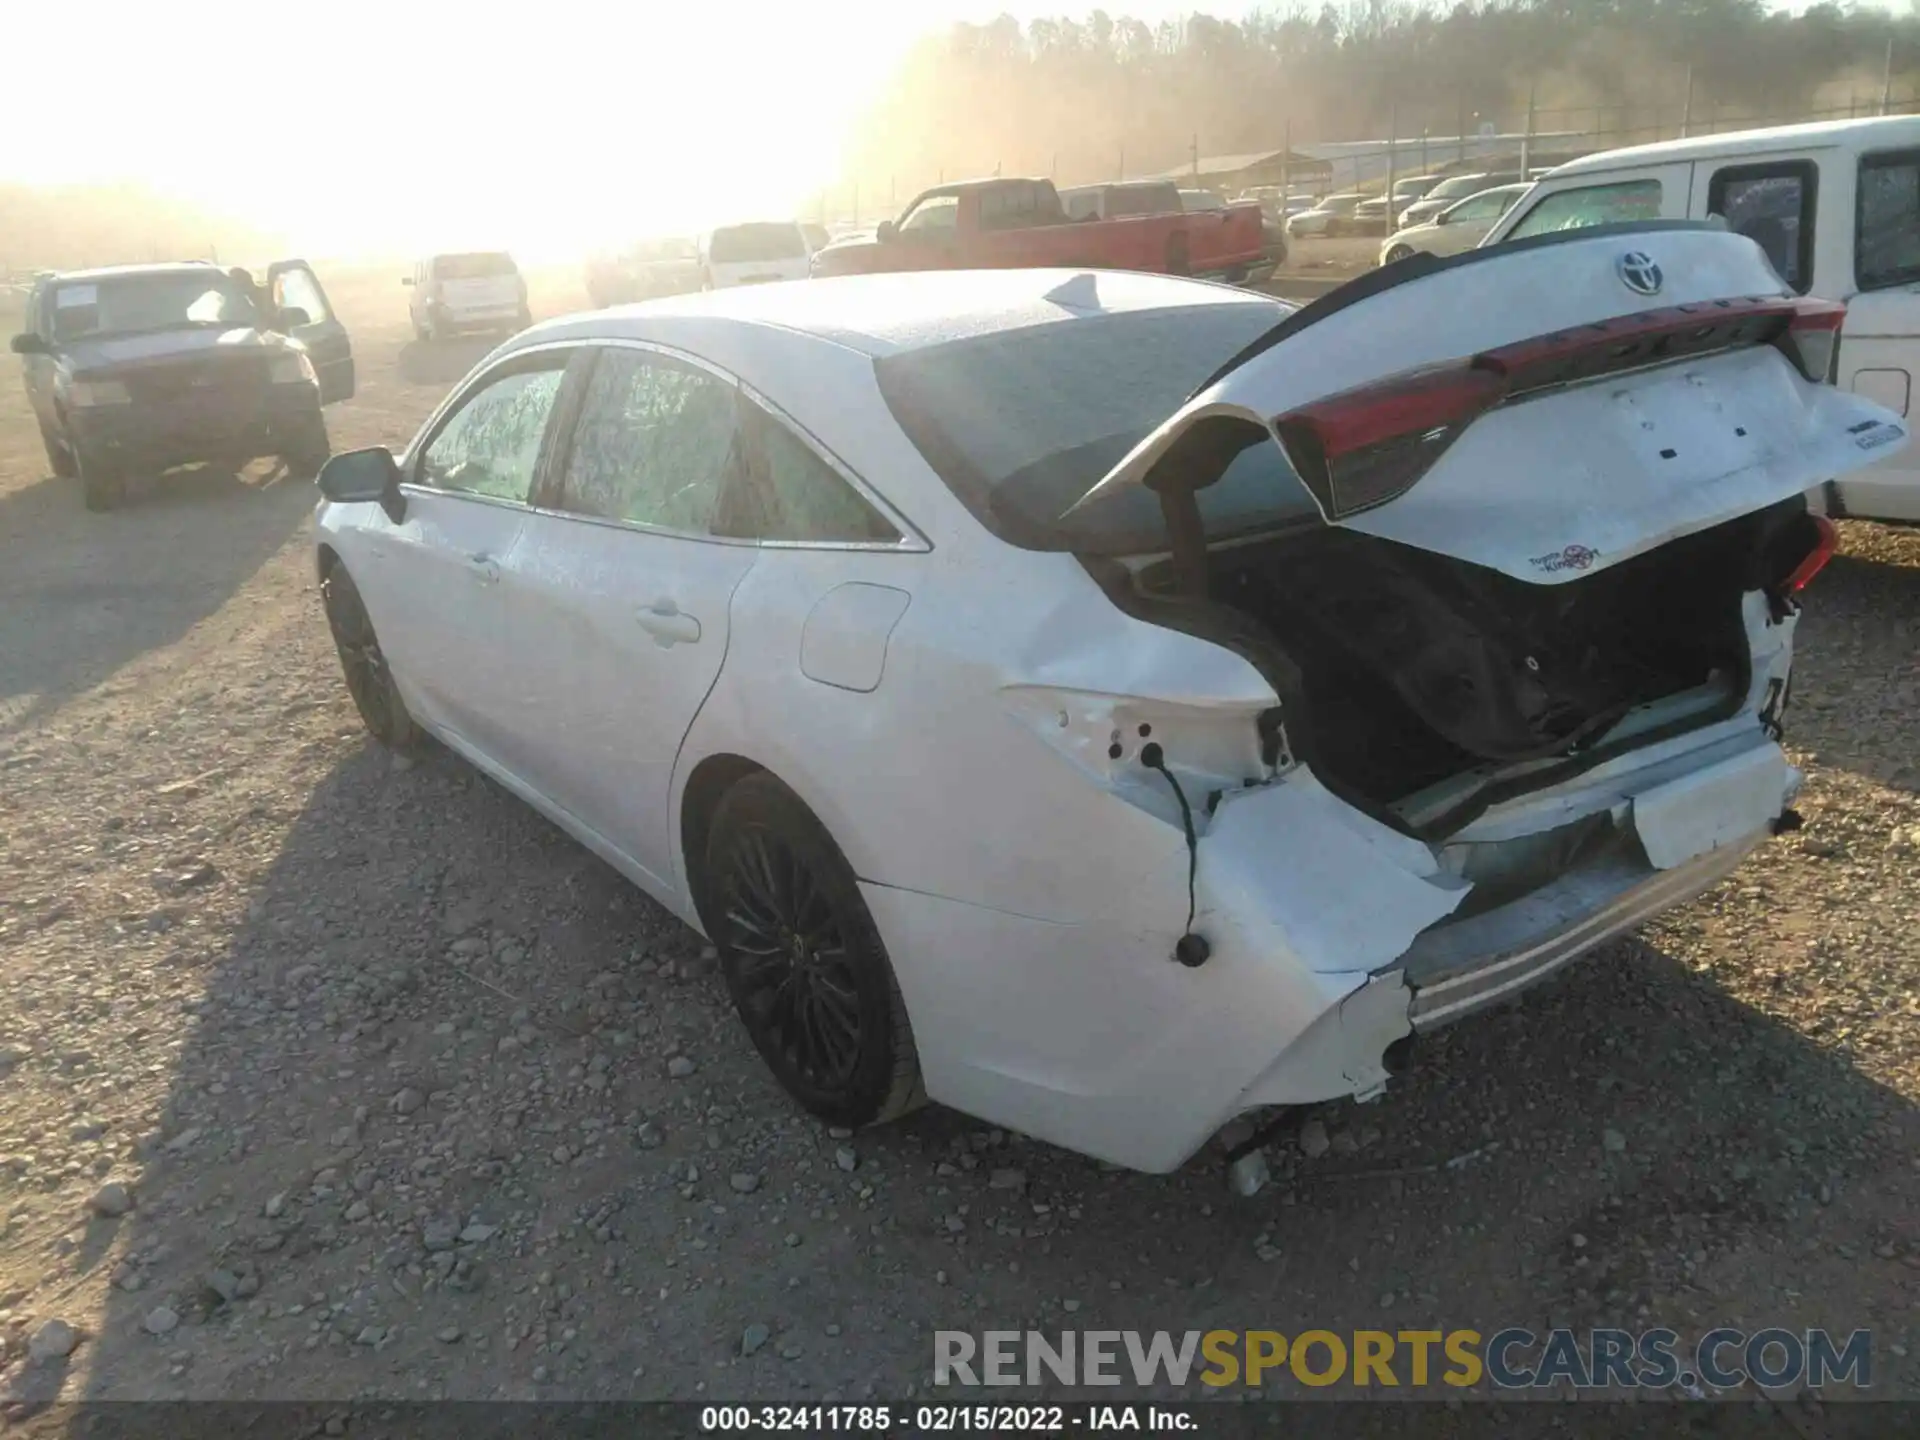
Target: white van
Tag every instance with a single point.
(473, 290)
(1836, 207)
(753, 254)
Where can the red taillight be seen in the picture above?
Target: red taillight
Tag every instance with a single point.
(1363, 447)
(1816, 559)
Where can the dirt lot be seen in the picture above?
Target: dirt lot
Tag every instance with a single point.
(383, 1061)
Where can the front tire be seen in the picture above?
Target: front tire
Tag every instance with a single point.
(803, 961)
(1399, 253)
(369, 679)
(305, 458)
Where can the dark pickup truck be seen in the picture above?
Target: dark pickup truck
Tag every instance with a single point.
(1022, 224)
(139, 368)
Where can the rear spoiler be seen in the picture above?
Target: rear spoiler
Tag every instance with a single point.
(1418, 267)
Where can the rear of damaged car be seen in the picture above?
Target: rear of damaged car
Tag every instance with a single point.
(1443, 635)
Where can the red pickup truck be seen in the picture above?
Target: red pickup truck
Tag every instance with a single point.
(1022, 224)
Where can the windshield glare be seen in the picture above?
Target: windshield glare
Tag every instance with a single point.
(1021, 424)
(133, 303)
(756, 244)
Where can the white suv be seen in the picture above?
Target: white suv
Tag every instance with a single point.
(753, 254)
(481, 290)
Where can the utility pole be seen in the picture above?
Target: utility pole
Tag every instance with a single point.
(1463, 128)
(1193, 149)
(1886, 81)
(1393, 145)
(1123, 160)
(1286, 166)
(1686, 110)
(1526, 140)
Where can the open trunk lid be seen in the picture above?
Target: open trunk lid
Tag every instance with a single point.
(1546, 408)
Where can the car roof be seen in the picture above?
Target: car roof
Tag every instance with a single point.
(115, 272)
(887, 314)
(1870, 131)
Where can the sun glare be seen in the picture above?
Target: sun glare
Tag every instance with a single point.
(361, 129)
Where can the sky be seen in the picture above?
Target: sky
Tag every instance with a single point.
(418, 125)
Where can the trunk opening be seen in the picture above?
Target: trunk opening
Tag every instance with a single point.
(1401, 670)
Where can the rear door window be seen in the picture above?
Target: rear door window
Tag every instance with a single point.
(1772, 205)
(656, 444)
(1887, 238)
(1613, 204)
(1011, 207)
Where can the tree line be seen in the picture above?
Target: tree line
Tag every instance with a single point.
(1086, 99)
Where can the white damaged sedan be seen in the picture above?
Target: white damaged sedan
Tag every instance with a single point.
(1110, 704)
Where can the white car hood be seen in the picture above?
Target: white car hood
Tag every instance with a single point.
(1567, 482)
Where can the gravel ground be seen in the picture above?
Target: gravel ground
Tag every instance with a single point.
(327, 1076)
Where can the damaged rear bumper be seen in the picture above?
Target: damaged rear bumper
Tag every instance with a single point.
(1480, 961)
(1333, 940)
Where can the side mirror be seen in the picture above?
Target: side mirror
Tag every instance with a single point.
(406, 280)
(30, 344)
(885, 232)
(359, 476)
(292, 317)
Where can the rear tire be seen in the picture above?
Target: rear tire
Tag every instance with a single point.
(369, 679)
(803, 960)
(102, 486)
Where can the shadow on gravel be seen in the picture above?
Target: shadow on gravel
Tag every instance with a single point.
(83, 594)
(441, 362)
(438, 1011)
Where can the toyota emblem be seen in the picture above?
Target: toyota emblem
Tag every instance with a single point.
(1639, 273)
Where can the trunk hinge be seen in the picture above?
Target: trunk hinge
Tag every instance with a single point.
(1180, 506)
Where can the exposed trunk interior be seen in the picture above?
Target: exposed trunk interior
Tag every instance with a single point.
(1413, 668)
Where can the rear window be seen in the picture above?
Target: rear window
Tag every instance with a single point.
(1616, 204)
(1887, 247)
(472, 267)
(1021, 424)
(756, 244)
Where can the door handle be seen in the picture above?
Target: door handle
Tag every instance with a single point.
(669, 627)
(484, 569)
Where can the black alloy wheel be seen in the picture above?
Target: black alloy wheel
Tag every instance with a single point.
(803, 961)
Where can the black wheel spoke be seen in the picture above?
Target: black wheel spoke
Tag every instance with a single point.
(790, 964)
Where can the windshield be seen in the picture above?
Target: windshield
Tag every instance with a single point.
(755, 244)
(1021, 424)
(131, 304)
(472, 267)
